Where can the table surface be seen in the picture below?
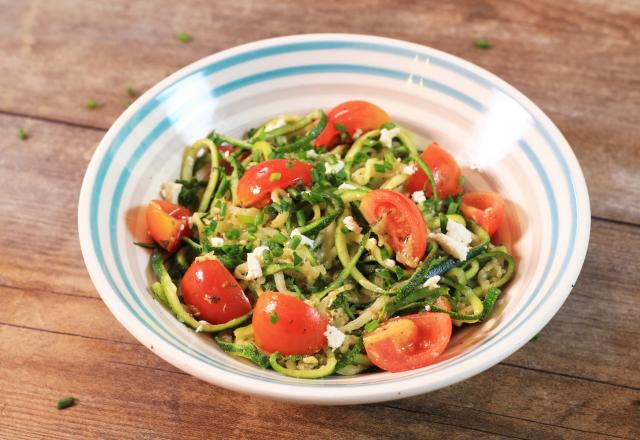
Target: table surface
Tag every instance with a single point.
(579, 60)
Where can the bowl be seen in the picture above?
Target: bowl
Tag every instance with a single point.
(501, 139)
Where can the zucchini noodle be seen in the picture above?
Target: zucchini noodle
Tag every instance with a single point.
(310, 239)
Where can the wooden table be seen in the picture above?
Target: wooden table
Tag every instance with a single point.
(579, 60)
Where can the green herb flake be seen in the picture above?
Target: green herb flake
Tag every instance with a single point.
(232, 234)
(22, 134)
(92, 104)
(297, 259)
(273, 318)
(295, 242)
(371, 325)
(131, 92)
(535, 338)
(66, 402)
(340, 127)
(183, 37)
(289, 164)
(461, 180)
(274, 177)
(482, 43)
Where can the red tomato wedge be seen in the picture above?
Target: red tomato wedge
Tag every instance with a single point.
(408, 342)
(287, 325)
(354, 116)
(445, 170)
(167, 223)
(484, 208)
(403, 224)
(256, 184)
(209, 288)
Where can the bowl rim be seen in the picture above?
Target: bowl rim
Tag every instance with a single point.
(301, 392)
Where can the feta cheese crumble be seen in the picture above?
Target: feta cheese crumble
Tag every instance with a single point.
(333, 168)
(386, 136)
(410, 169)
(216, 241)
(432, 282)
(351, 224)
(254, 271)
(303, 238)
(357, 134)
(347, 186)
(312, 153)
(419, 197)
(170, 190)
(455, 242)
(335, 337)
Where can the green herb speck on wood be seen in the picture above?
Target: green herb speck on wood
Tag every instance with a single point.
(92, 104)
(183, 37)
(482, 43)
(131, 92)
(22, 134)
(66, 402)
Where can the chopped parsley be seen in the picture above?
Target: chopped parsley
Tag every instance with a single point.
(183, 37)
(92, 104)
(274, 177)
(273, 318)
(66, 402)
(22, 134)
(482, 43)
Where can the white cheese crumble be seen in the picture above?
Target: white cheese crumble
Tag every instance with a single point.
(255, 189)
(458, 232)
(386, 136)
(254, 271)
(201, 325)
(312, 153)
(170, 190)
(432, 282)
(347, 186)
(427, 308)
(216, 241)
(335, 337)
(259, 252)
(389, 263)
(419, 197)
(277, 123)
(303, 238)
(351, 224)
(410, 169)
(333, 168)
(456, 241)
(357, 134)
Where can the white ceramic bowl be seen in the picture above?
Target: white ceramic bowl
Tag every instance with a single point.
(502, 140)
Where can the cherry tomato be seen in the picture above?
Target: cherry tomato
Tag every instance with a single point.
(209, 288)
(484, 208)
(445, 170)
(167, 223)
(354, 116)
(285, 324)
(403, 225)
(408, 342)
(256, 184)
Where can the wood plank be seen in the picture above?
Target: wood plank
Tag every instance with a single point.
(117, 400)
(555, 383)
(589, 86)
(117, 382)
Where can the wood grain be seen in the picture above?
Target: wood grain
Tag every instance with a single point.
(577, 59)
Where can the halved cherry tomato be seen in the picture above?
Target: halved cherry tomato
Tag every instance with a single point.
(403, 225)
(285, 324)
(484, 208)
(445, 170)
(256, 184)
(209, 288)
(354, 116)
(408, 342)
(167, 223)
